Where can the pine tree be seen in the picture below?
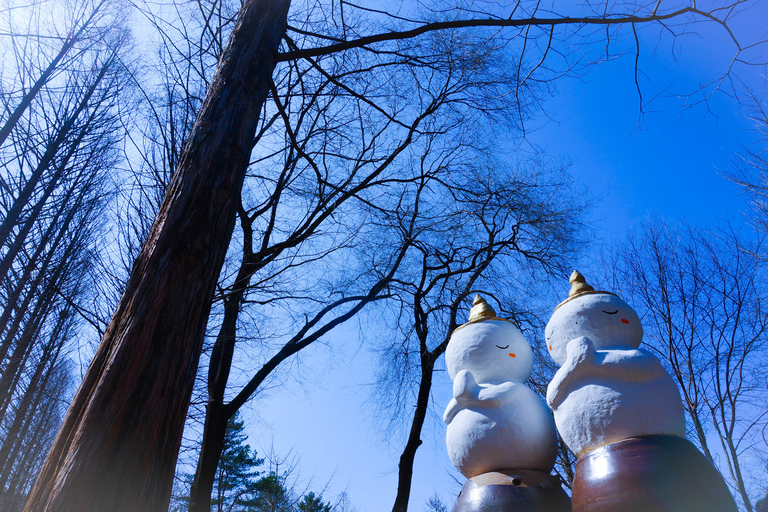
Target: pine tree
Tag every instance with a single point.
(236, 476)
(270, 495)
(312, 503)
(240, 487)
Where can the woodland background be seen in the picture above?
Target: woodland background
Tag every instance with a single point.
(407, 156)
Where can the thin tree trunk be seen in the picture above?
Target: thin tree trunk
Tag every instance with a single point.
(736, 472)
(700, 434)
(208, 462)
(10, 448)
(31, 219)
(45, 300)
(45, 420)
(51, 151)
(33, 264)
(118, 445)
(13, 373)
(217, 412)
(405, 467)
(26, 101)
(218, 376)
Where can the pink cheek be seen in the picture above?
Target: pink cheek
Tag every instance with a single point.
(624, 321)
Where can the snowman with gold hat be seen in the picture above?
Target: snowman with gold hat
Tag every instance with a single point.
(620, 413)
(500, 434)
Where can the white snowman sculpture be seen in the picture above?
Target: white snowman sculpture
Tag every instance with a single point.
(607, 388)
(495, 422)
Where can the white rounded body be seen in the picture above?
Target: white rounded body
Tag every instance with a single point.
(616, 395)
(494, 421)
(516, 434)
(607, 389)
(602, 317)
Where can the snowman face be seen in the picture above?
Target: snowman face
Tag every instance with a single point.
(603, 318)
(494, 351)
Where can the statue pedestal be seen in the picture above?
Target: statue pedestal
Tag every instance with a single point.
(651, 473)
(513, 491)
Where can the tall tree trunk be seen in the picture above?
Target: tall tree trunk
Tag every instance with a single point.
(218, 376)
(11, 448)
(118, 445)
(405, 467)
(210, 454)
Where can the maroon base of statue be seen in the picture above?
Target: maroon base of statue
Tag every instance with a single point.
(513, 491)
(653, 473)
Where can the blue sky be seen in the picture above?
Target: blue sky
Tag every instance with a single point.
(667, 163)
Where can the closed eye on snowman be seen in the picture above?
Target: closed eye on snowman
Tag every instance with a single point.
(495, 422)
(494, 351)
(603, 317)
(607, 388)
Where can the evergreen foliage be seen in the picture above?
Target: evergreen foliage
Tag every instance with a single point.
(312, 503)
(241, 487)
(236, 476)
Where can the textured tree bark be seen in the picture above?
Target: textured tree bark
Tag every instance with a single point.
(117, 448)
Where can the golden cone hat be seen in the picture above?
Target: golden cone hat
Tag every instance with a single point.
(480, 311)
(579, 287)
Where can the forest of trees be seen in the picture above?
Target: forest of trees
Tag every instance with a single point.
(203, 184)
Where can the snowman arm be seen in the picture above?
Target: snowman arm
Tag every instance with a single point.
(558, 389)
(580, 359)
(451, 411)
(622, 365)
(491, 396)
(465, 391)
(465, 387)
(494, 396)
(579, 352)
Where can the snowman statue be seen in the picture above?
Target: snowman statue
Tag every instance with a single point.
(620, 413)
(500, 434)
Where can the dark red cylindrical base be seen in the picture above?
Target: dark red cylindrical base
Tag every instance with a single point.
(652, 473)
(513, 491)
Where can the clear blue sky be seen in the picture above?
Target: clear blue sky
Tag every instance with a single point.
(665, 165)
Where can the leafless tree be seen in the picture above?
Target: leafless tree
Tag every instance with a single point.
(494, 232)
(750, 169)
(58, 148)
(119, 441)
(43, 45)
(702, 298)
(274, 237)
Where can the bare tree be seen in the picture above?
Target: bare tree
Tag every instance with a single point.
(55, 161)
(273, 241)
(750, 170)
(117, 447)
(43, 48)
(702, 298)
(497, 232)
